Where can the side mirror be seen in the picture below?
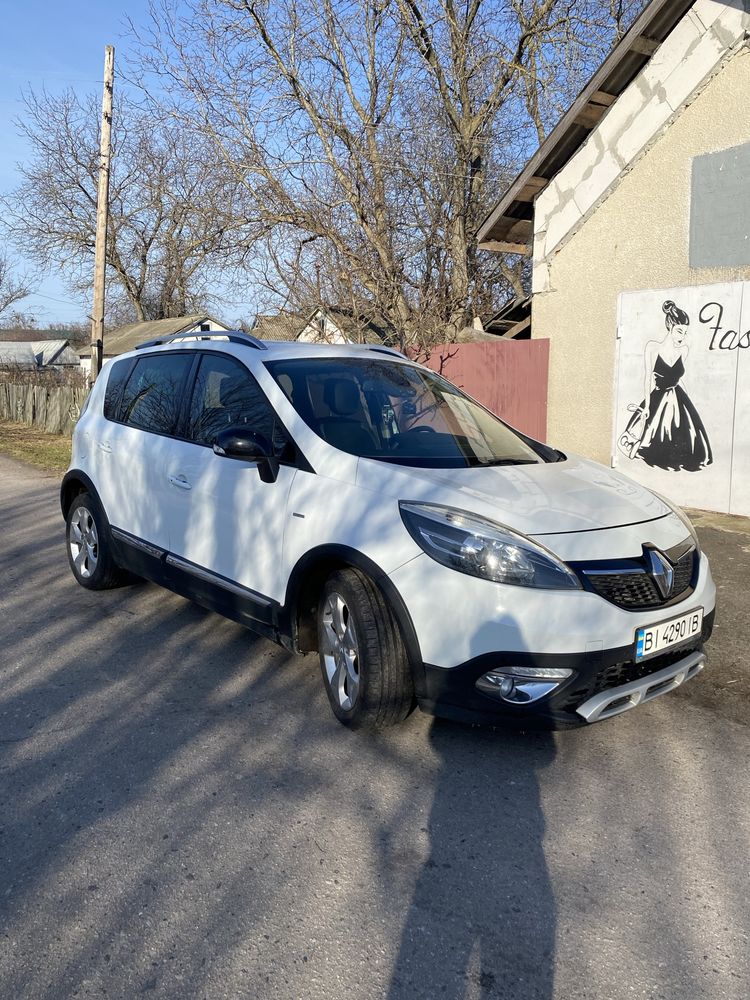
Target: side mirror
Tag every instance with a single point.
(248, 446)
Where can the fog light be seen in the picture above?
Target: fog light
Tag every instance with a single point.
(498, 683)
(521, 685)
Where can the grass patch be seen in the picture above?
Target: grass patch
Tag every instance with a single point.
(29, 444)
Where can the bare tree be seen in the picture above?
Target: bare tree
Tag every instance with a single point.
(174, 206)
(364, 133)
(12, 288)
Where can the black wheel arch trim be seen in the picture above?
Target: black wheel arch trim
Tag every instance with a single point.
(345, 556)
(67, 495)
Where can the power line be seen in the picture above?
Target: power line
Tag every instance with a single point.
(63, 302)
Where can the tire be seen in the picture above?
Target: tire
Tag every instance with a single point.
(363, 659)
(89, 545)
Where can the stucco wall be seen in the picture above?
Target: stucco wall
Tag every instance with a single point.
(638, 238)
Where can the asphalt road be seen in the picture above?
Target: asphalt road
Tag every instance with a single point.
(182, 817)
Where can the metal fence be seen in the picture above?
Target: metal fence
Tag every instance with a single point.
(508, 376)
(51, 408)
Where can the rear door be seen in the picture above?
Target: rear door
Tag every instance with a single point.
(134, 444)
(224, 519)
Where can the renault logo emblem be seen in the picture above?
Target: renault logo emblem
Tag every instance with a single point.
(661, 570)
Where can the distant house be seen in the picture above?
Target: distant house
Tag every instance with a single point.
(340, 326)
(322, 326)
(283, 326)
(128, 337)
(17, 356)
(37, 354)
(55, 354)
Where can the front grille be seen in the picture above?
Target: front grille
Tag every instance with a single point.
(636, 590)
(627, 590)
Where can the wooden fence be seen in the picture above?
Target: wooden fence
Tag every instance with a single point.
(51, 408)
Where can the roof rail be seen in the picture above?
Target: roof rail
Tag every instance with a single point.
(233, 336)
(385, 350)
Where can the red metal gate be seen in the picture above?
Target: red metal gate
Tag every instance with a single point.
(508, 376)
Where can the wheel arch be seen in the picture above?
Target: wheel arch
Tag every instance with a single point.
(74, 483)
(303, 593)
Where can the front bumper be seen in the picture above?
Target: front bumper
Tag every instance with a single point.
(610, 673)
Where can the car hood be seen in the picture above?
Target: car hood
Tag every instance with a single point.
(546, 499)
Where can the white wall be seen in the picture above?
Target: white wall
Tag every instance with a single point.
(637, 239)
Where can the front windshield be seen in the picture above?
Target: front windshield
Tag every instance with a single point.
(396, 412)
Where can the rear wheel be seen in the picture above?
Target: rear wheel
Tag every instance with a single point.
(89, 546)
(362, 655)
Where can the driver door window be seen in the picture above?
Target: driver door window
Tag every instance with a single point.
(225, 395)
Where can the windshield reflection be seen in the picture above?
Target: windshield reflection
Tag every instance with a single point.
(396, 412)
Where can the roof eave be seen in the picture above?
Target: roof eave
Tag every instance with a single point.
(509, 227)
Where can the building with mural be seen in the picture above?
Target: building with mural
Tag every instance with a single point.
(636, 211)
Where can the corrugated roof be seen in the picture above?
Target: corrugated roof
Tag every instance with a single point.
(127, 338)
(509, 227)
(17, 355)
(54, 352)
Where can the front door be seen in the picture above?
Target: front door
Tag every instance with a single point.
(223, 518)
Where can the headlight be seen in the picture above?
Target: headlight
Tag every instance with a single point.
(683, 517)
(473, 545)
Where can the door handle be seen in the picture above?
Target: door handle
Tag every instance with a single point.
(180, 482)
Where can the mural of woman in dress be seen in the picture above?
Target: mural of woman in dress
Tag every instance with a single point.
(666, 429)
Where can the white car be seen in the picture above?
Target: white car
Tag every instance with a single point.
(347, 501)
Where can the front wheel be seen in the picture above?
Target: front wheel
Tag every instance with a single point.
(89, 546)
(362, 655)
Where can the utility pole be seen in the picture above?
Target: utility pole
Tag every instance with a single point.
(102, 213)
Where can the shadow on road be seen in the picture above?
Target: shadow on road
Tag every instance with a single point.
(182, 816)
(481, 921)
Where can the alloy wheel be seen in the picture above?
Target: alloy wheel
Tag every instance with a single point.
(83, 541)
(340, 651)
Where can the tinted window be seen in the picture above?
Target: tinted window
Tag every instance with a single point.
(151, 399)
(226, 395)
(398, 413)
(118, 372)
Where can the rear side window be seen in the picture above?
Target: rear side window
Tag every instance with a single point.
(226, 395)
(151, 399)
(118, 373)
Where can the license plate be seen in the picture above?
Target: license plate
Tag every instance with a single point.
(656, 638)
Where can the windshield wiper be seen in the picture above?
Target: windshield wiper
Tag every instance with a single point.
(509, 461)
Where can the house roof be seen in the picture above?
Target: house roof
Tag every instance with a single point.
(54, 352)
(284, 326)
(19, 336)
(126, 338)
(509, 227)
(359, 329)
(17, 355)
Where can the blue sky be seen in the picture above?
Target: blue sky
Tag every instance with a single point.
(51, 44)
